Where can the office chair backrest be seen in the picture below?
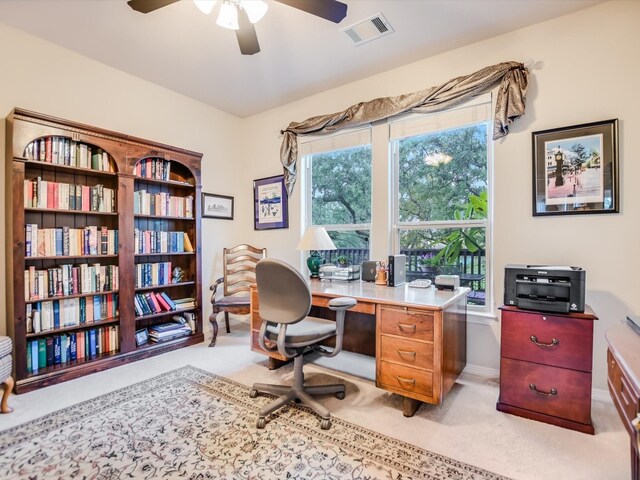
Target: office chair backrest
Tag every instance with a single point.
(283, 293)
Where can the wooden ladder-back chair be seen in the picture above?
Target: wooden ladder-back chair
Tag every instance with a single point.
(239, 273)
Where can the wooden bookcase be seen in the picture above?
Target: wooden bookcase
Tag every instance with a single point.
(31, 142)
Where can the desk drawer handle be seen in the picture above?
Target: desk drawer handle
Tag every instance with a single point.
(409, 381)
(406, 327)
(553, 343)
(543, 394)
(407, 353)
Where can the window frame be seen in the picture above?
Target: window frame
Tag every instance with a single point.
(348, 139)
(397, 226)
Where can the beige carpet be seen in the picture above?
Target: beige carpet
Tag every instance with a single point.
(466, 427)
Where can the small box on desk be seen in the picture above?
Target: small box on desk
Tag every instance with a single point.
(345, 274)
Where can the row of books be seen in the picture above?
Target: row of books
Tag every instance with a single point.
(162, 204)
(66, 241)
(64, 151)
(155, 168)
(150, 303)
(40, 193)
(70, 312)
(159, 241)
(62, 349)
(165, 332)
(153, 274)
(67, 280)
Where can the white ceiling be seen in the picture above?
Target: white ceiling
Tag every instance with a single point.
(180, 48)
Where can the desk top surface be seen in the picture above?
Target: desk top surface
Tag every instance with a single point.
(402, 295)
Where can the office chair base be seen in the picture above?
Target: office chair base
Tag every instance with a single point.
(298, 393)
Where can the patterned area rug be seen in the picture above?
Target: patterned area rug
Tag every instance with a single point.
(189, 423)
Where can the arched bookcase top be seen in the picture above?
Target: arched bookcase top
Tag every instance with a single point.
(62, 150)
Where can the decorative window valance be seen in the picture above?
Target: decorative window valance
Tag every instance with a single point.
(510, 104)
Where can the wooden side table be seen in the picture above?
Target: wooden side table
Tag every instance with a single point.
(623, 358)
(545, 367)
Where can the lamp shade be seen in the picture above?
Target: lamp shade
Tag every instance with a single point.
(316, 238)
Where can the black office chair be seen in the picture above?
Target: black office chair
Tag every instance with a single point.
(285, 301)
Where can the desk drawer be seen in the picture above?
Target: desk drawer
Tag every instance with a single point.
(625, 396)
(361, 307)
(414, 324)
(571, 401)
(407, 379)
(406, 352)
(547, 339)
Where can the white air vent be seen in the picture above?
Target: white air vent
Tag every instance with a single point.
(369, 29)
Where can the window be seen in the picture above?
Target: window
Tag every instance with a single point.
(440, 195)
(338, 191)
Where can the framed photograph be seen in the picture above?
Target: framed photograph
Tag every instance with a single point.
(575, 169)
(217, 206)
(142, 337)
(271, 203)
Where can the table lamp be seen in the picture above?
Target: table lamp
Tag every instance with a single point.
(314, 239)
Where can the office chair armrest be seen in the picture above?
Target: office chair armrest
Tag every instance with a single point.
(340, 305)
(214, 288)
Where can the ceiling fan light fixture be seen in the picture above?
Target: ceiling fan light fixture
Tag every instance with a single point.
(205, 6)
(228, 16)
(256, 9)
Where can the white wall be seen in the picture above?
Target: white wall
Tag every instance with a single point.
(42, 77)
(586, 70)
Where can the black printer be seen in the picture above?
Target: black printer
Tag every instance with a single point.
(548, 288)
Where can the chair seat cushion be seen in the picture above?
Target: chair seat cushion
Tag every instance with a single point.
(5, 346)
(308, 331)
(232, 301)
(6, 365)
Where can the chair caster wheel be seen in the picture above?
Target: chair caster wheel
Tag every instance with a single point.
(325, 424)
(253, 393)
(261, 423)
(340, 395)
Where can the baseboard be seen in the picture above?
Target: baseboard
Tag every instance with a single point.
(597, 394)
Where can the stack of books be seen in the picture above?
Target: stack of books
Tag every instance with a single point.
(168, 331)
(185, 303)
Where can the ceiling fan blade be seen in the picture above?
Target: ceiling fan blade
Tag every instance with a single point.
(246, 34)
(331, 10)
(146, 6)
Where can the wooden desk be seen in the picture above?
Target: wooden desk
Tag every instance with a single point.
(623, 358)
(417, 336)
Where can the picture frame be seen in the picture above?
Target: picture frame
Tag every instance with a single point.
(271, 209)
(142, 337)
(217, 206)
(575, 169)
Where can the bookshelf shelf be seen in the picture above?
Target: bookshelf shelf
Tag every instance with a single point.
(164, 217)
(67, 257)
(67, 149)
(64, 168)
(163, 254)
(183, 341)
(62, 367)
(67, 212)
(66, 297)
(165, 314)
(167, 285)
(84, 326)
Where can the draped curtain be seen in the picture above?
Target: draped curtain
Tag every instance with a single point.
(510, 104)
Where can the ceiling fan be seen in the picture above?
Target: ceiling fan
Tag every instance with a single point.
(240, 15)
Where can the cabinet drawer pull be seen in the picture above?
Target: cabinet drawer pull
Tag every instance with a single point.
(409, 381)
(407, 327)
(553, 343)
(406, 353)
(553, 391)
